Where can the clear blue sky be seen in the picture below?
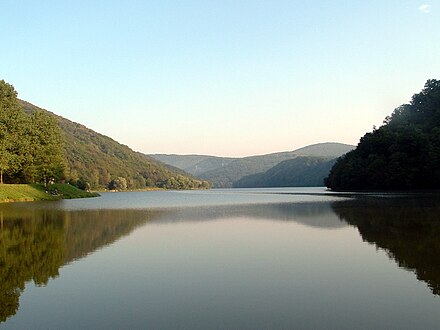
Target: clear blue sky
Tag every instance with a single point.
(229, 78)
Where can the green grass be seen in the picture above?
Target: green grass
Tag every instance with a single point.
(37, 192)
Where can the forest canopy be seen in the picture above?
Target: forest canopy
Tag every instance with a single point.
(402, 154)
(31, 146)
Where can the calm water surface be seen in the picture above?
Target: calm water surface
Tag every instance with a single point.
(239, 258)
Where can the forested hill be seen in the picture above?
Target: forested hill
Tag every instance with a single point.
(297, 172)
(98, 161)
(403, 154)
(194, 164)
(224, 172)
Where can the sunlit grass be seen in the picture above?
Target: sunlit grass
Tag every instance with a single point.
(37, 192)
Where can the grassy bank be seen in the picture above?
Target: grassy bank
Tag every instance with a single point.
(37, 192)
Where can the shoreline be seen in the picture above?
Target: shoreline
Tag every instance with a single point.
(12, 193)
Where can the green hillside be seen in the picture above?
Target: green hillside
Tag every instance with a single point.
(100, 162)
(225, 176)
(194, 164)
(223, 172)
(403, 154)
(297, 172)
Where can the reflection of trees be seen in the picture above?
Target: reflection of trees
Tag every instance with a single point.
(87, 231)
(407, 228)
(34, 244)
(312, 214)
(31, 249)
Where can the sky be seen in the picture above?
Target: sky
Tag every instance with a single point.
(226, 78)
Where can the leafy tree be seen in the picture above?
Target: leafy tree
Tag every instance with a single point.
(119, 184)
(13, 124)
(31, 147)
(402, 154)
(47, 156)
(38, 146)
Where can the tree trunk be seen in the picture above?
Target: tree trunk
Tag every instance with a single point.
(1, 176)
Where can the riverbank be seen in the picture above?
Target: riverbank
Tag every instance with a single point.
(37, 192)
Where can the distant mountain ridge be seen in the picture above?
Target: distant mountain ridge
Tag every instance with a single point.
(194, 164)
(224, 172)
(297, 172)
(96, 160)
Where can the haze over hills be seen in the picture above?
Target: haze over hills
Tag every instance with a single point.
(297, 172)
(194, 164)
(223, 172)
(98, 161)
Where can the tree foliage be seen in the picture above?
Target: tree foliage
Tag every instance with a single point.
(297, 172)
(47, 156)
(95, 161)
(13, 127)
(38, 146)
(31, 147)
(402, 154)
(182, 182)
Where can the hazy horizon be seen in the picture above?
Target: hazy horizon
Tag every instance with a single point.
(223, 78)
(253, 155)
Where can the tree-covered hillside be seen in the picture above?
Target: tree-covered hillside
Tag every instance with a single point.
(297, 172)
(31, 146)
(226, 176)
(194, 164)
(223, 172)
(402, 154)
(98, 161)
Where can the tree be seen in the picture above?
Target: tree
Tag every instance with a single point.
(13, 124)
(119, 184)
(402, 154)
(47, 153)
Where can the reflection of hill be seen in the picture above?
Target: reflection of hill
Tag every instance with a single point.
(31, 248)
(34, 244)
(310, 214)
(88, 231)
(408, 229)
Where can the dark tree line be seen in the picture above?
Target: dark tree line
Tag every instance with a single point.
(31, 146)
(403, 154)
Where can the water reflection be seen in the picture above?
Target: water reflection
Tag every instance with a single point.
(408, 229)
(318, 215)
(34, 244)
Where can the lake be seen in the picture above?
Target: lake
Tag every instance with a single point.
(297, 258)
